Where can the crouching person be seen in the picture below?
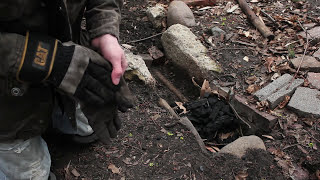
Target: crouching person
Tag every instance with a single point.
(48, 69)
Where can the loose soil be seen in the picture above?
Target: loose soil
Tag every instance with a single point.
(146, 148)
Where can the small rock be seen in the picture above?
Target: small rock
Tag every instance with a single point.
(309, 63)
(314, 80)
(156, 15)
(180, 13)
(317, 54)
(306, 102)
(137, 68)
(313, 33)
(217, 32)
(240, 146)
(185, 50)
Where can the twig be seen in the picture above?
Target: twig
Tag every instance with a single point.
(270, 17)
(313, 137)
(170, 86)
(187, 123)
(238, 116)
(304, 54)
(143, 39)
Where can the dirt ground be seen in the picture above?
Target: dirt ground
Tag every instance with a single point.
(147, 149)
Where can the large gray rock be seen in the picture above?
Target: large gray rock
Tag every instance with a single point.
(317, 54)
(314, 80)
(183, 48)
(180, 13)
(306, 102)
(137, 68)
(156, 15)
(240, 146)
(309, 63)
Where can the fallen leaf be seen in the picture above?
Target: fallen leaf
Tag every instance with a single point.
(252, 88)
(250, 80)
(211, 149)
(114, 169)
(180, 105)
(269, 62)
(269, 137)
(318, 174)
(246, 58)
(205, 88)
(75, 173)
(225, 136)
(284, 102)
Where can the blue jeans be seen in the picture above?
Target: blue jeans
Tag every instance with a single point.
(30, 159)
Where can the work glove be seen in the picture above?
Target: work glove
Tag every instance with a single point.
(73, 69)
(78, 72)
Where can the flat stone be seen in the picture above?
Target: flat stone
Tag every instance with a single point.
(240, 146)
(309, 63)
(317, 54)
(273, 87)
(279, 96)
(313, 33)
(306, 102)
(185, 50)
(217, 32)
(138, 68)
(258, 120)
(314, 80)
(156, 15)
(180, 13)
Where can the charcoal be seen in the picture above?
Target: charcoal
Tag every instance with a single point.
(195, 104)
(211, 115)
(212, 101)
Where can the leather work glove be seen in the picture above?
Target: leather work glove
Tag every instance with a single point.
(81, 73)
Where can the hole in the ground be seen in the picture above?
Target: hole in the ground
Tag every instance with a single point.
(212, 116)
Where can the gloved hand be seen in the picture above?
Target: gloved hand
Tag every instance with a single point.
(73, 69)
(104, 121)
(80, 73)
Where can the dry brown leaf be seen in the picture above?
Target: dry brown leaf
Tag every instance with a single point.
(252, 88)
(226, 136)
(75, 173)
(114, 169)
(205, 88)
(210, 149)
(262, 105)
(318, 174)
(269, 137)
(284, 102)
(250, 80)
(269, 62)
(180, 105)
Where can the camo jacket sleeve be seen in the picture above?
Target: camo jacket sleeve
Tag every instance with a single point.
(103, 17)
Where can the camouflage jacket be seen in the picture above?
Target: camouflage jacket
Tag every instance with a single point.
(25, 109)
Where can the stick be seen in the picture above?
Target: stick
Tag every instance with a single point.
(238, 116)
(170, 86)
(304, 54)
(264, 30)
(187, 123)
(143, 39)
